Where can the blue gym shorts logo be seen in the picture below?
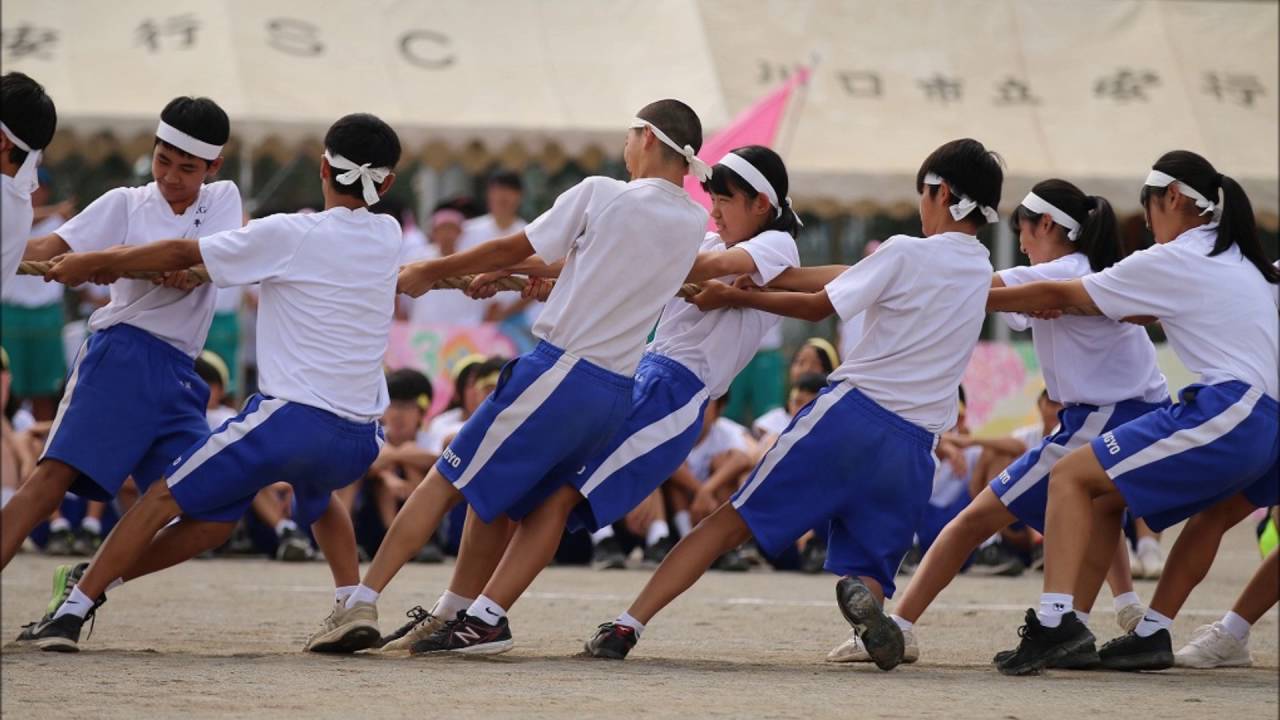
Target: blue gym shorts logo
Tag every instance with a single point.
(451, 458)
(1113, 447)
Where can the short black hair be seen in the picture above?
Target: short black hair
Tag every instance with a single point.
(810, 382)
(970, 169)
(960, 392)
(724, 181)
(362, 138)
(28, 112)
(411, 385)
(678, 121)
(505, 178)
(199, 117)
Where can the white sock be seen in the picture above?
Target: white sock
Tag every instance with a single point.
(1152, 623)
(59, 524)
(683, 522)
(1124, 600)
(362, 594)
(115, 584)
(626, 619)
(1052, 607)
(6, 494)
(91, 525)
(659, 530)
(602, 534)
(340, 594)
(487, 611)
(77, 603)
(903, 624)
(1237, 626)
(1083, 617)
(450, 604)
(1148, 543)
(284, 525)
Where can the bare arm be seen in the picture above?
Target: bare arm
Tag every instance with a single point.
(1067, 295)
(1006, 445)
(805, 306)
(45, 248)
(718, 263)
(500, 254)
(730, 465)
(162, 256)
(807, 279)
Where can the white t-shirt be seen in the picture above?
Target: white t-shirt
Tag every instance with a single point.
(947, 485)
(724, 435)
(218, 415)
(715, 346)
(1029, 435)
(479, 230)
(627, 248)
(1218, 312)
(925, 300)
(1090, 360)
(440, 307)
(772, 422)
(138, 216)
(30, 291)
(227, 301)
(440, 429)
(15, 226)
(324, 306)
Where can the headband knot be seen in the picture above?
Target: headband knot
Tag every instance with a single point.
(369, 177)
(697, 167)
(965, 204)
(26, 180)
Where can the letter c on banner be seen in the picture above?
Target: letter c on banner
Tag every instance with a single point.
(415, 46)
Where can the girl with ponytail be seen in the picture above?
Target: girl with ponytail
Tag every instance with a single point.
(1207, 281)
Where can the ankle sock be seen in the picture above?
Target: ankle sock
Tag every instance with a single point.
(1083, 617)
(1124, 600)
(634, 624)
(77, 603)
(903, 624)
(450, 604)
(1236, 626)
(683, 522)
(1052, 607)
(285, 525)
(342, 592)
(486, 611)
(602, 534)
(362, 593)
(91, 525)
(659, 530)
(1152, 623)
(59, 525)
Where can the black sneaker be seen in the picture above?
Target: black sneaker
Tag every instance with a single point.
(996, 560)
(65, 577)
(294, 546)
(880, 635)
(1086, 658)
(1041, 646)
(731, 561)
(813, 558)
(655, 553)
(60, 542)
(466, 634)
(430, 554)
(85, 543)
(62, 634)
(608, 555)
(612, 641)
(1133, 652)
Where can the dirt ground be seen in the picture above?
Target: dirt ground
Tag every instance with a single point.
(222, 638)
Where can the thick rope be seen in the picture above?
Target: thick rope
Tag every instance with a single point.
(514, 283)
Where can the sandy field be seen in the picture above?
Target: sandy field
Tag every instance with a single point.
(222, 638)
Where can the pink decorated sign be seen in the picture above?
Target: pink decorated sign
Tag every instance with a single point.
(435, 349)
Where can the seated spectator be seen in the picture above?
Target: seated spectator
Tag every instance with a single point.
(815, 356)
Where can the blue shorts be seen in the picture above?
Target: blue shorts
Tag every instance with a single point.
(548, 416)
(849, 462)
(667, 406)
(1220, 440)
(132, 404)
(1024, 486)
(272, 440)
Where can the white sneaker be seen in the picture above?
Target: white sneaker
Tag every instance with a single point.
(1150, 562)
(1129, 616)
(1212, 646)
(851, 650)
(347, 630)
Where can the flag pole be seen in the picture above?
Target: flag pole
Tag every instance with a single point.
(793, 111)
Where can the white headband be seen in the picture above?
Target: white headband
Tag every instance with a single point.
(369, 177)
(26, 180)
(1037, 204)
(185, 142)
(756, 180)
(697, 167)
(1159, 179)
(966, 204)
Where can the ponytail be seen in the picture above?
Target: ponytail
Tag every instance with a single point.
(1236, 225)
(1098, 237)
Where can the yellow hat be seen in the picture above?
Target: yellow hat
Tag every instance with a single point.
(826, 348)
(216, 361)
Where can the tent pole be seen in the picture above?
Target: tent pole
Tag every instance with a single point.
(1004, 243)
(246, 176)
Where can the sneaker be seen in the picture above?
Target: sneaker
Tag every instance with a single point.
(608, 555)
(1086, 658)
(1133, 652)
(655, 553)
(347, 630)
(85, 543)
(60, 542)
(1212, 647)
(612, 641)
(61, 634)
(731, 561)
(467, 634)
(880, 635)
(996, 560)
(813, 558)
(65, 577)
(852, 650)
(1041, 646)
(421, 625)
(1150, 561)
(910, 561)
(430, 554)
(1129, 616)
(294, 546)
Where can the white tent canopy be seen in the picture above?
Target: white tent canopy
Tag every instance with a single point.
(1090, 90)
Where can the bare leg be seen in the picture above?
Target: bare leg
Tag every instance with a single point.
(719, 533)
(1075, 482)
(127, 496)
(1120, 575)
(479, 553)
(337, 539)
(179, 543)
(984, 516)
(129, 539)
(532, 547)
(267, 506)
(413, 526)
(1193, 553)
(1263, 591)
(36, 500)
(1108, 516)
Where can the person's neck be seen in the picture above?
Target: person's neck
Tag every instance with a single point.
(657, 169)
(1059, 250)
(179, 207)
(958, 226)
(1190, 223)
(503, 222)
(335, 200)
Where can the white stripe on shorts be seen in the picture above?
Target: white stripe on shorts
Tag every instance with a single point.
(647, 438)
(1051, 453)
(66, 396)
(1190, 438)
(789, 438)
(219, 441)
(514, 415)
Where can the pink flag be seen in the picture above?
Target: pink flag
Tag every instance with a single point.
(757, 125)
